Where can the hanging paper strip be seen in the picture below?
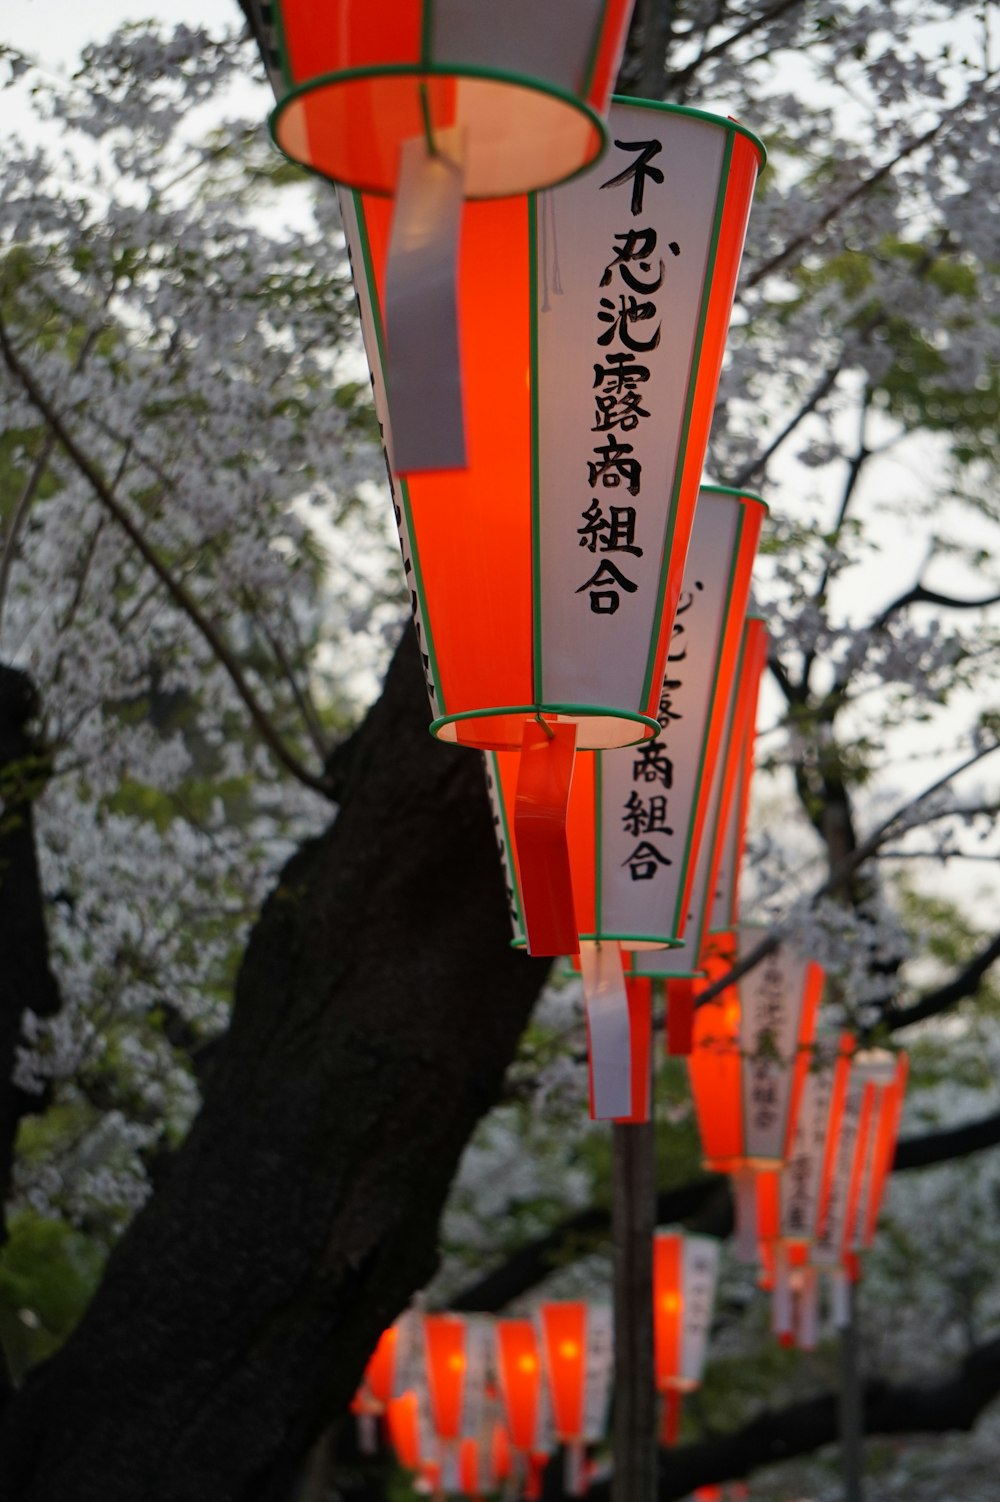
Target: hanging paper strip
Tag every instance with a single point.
(434, 101)
(883, 1152)
(544, 578)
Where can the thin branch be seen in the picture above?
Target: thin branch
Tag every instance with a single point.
(822, 388)
(918, 595)
(797, 244)
(684, 75)
(181, 597)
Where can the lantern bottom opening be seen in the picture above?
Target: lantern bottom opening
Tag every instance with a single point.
(627, 941)
(349, 125)
(599, 727)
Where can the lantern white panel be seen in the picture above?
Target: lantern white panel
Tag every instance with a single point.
(770, 1011)
(600, 1364)
(829, 1245)
(478, 1348)
(370, 325)
(649, 793)
(621, 264)
(801, 1179)
(701, 1274)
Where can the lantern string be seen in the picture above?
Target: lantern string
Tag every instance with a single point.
(545, 725)
(425, 111)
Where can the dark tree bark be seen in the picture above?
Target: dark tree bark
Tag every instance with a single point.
(26, 982)
(376, 1011)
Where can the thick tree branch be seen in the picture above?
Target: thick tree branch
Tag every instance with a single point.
(706, 1198)
(919, 595)
(181, 597)
(954, 1401)
(943, 998)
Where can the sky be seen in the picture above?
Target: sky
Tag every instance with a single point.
(55, 30)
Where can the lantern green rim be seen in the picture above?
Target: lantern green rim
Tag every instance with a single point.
(631, 974)
(416, 70)
(743, 495)
(575, 711)
(726, 121)
(654, 942)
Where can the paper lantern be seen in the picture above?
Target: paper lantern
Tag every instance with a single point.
(863, 1156)
(803, 1188)
(524, 1399)
(748, 1065)
(437, 103)
(456, 1352)
(526, 90)
(544, 578)
(577, 1352)
(685, 1272)
(716, 870)
(636, 816)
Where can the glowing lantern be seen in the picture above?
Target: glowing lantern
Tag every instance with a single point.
(437, 102)
(637, 816)
(577, 1352)
(864, 1152)
(685, 1271)
(545, 577)
(409, 1431)
(803, 1188)
(747, 1069)
(523, 1396)
(456, 1352)
(720, 851)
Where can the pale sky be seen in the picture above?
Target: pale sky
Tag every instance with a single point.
(55, 30)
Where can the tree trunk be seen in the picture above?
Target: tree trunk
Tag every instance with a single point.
(376, 1011)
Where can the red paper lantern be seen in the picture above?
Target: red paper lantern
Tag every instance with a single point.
(437, 103)
(803, 1189)
(748, 1066)
(577, 1352)
(523, 1396)
(636, 817)
(527, 90)
(864, 1151)
(456, 1353)
(716, 875)
(685, 1272)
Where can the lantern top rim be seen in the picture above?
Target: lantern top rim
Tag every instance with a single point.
(737, 493)
(710, 116)
(430, 70)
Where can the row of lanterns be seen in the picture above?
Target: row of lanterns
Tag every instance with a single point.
(472, 1402)
(545, 327)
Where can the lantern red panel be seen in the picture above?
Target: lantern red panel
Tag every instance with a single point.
(517, 616)
(522, 1391)
(456, 1352)
(525, 89)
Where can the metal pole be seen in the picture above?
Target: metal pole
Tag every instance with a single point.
(852, 1420)
(633, 1211)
